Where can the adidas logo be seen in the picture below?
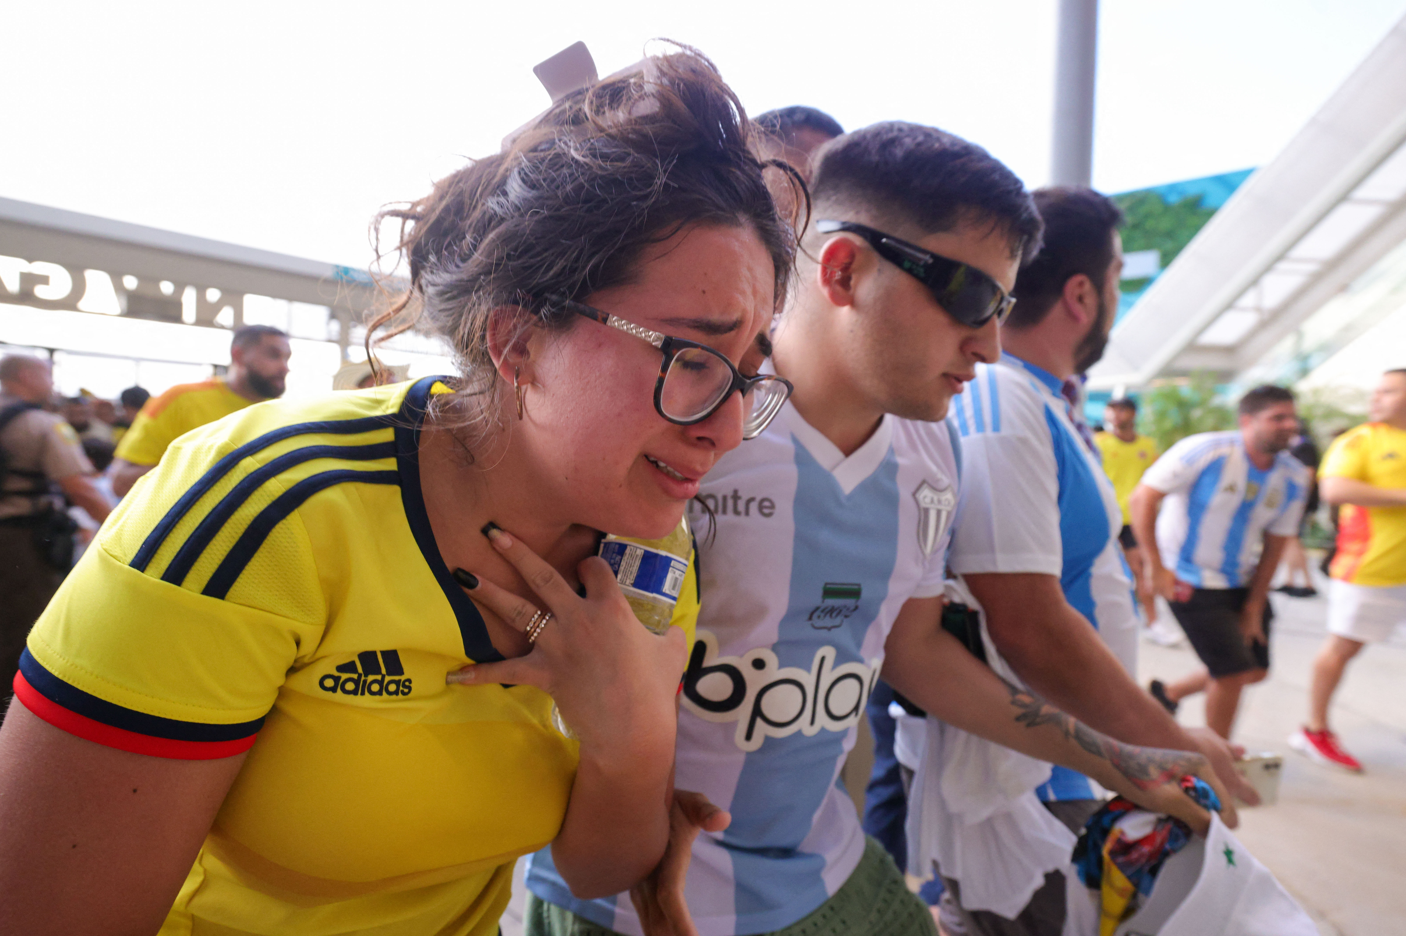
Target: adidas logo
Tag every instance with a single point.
(370, 674)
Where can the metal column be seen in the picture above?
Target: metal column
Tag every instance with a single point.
(1071, 158)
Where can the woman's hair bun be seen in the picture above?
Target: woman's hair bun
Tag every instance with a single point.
(570, 202)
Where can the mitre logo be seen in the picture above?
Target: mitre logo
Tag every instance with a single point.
(370, 674)
(768, 700)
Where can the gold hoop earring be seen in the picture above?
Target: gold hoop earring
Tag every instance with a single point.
(517, 389)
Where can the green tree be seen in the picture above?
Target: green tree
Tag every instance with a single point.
(1156, 224)
(1173, 411)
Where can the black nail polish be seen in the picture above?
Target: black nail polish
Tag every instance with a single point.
(465, 578)
(489, 527)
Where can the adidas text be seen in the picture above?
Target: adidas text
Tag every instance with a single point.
(370, 674)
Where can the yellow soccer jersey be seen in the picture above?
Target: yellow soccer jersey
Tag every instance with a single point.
(1371, 540)
(1124, 463)
(276, 578)
(171, 415)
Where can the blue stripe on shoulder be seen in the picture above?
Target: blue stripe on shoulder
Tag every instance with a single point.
(1203, 449)
(225, 465)
(956, 442)
(200, 539)
(995, 399)
(959, 405)
(978, 417)
(244, 549)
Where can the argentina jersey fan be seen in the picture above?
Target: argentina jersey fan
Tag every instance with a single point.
(274, 588)
(1219, 505)
(1038, 502)
(811, 555)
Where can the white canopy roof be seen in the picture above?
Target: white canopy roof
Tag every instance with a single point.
(1323, 220)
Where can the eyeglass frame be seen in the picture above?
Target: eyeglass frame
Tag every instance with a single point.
(670, 346)
(925, 266)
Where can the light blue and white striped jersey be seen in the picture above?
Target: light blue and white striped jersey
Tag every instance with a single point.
(1218, 507)
(1036, 500)
(813, 555)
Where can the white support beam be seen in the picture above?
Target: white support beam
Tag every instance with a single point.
(1076, 67)
(1385, 235)
(1220, 362)
(79, 241)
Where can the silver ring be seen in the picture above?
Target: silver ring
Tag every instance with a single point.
(537, 625)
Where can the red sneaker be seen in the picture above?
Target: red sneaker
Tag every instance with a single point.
(1323, 747)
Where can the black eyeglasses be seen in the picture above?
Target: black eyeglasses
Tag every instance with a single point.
(967, 294)
(694, 380)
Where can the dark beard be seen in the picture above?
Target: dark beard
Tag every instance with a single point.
(262, 385)
(1091, 346)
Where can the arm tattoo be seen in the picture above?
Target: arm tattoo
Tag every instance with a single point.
(1144, 767)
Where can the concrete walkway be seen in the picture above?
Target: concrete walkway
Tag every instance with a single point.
(1337, 841)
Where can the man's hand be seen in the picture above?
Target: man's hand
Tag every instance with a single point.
(1252, 624)
(1223, 755)
(659, 898)
(1164, 583)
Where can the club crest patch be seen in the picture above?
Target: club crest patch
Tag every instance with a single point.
(935, 506)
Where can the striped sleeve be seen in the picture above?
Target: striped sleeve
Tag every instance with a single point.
(1286, 522)
(1009, 513)
(174, 634)
(125, 660)
(1182, 464)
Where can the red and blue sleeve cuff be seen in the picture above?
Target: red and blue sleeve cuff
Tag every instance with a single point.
(86, 716)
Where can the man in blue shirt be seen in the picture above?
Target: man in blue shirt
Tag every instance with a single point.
(1037, 544)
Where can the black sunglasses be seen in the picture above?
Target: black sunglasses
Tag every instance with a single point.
(695, 380)
(967, 294)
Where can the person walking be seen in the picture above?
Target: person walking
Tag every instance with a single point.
(1232, 502)
(1126, 455)
(1364, 475)
(1036, 543)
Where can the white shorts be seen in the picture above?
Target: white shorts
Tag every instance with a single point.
(1365, 613)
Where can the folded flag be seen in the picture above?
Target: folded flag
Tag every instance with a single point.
(1123, 867)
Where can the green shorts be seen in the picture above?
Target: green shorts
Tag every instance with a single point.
(874, 900)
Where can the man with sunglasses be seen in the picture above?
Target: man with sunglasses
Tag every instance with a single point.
(825, 560)
(1038, 542)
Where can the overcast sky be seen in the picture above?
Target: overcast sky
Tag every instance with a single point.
(285, 125)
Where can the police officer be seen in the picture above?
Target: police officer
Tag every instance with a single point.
(41, 464)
